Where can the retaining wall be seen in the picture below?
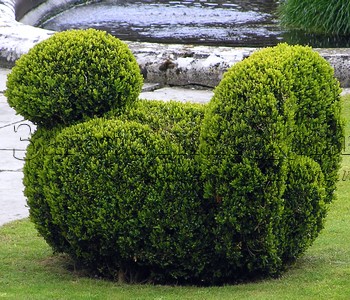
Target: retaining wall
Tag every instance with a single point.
(160, 63)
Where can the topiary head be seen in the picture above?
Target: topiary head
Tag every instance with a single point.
(72, 76)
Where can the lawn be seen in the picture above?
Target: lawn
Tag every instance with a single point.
(29, 270)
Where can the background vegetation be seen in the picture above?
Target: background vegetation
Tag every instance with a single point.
(320, 16)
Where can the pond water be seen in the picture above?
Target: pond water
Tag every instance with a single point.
(251, 23)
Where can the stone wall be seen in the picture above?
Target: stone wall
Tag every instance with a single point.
(160, 63)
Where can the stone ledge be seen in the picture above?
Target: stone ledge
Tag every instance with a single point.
(185, 65)
(178, 65)
(23, 7)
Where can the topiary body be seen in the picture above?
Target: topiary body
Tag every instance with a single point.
(182, 122)
(119, 197)
(123, 194)
(72, 76)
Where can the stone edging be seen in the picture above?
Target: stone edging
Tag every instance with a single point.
(177, 65)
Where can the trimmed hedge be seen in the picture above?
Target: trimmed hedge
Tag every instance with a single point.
(305, 208)
(269, 111)
(200, 194)
(180, 121)
(121, 197)
(72, 76)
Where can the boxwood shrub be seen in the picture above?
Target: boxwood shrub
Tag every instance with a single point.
(203, 194)
(180, 121)
(270, 150)
(122, 197)
(73, 75)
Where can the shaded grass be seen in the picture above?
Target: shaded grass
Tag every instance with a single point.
(29, 270)
(323, 16)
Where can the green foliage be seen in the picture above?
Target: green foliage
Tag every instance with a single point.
(119, 197)
(177, 192)
(304, 209)
(72, 76)
(325, 16)
(267, 113)
(180, 121)
(35, 185)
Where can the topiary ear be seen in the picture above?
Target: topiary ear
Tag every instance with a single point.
(72, 76)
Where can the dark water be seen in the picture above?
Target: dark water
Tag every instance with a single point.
(246, 23)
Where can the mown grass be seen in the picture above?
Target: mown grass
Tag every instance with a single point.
(29, 270)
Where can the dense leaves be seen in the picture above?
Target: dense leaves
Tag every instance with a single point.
(72, 76)
(270, 151)
(204, 194)
(120, 196)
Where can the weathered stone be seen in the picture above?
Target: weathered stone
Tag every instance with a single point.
(183, 65)
(22, 7)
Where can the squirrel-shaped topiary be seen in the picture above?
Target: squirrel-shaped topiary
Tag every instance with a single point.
(187, 193)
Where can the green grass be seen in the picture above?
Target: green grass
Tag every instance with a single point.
(323, 16)
(29, 270)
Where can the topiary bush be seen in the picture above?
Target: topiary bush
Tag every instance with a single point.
(270, 150)
(123, 197)
(304, 206)
(120, 198)
(72, 76)
(323, 16)
(200, 194)
(180, 121)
